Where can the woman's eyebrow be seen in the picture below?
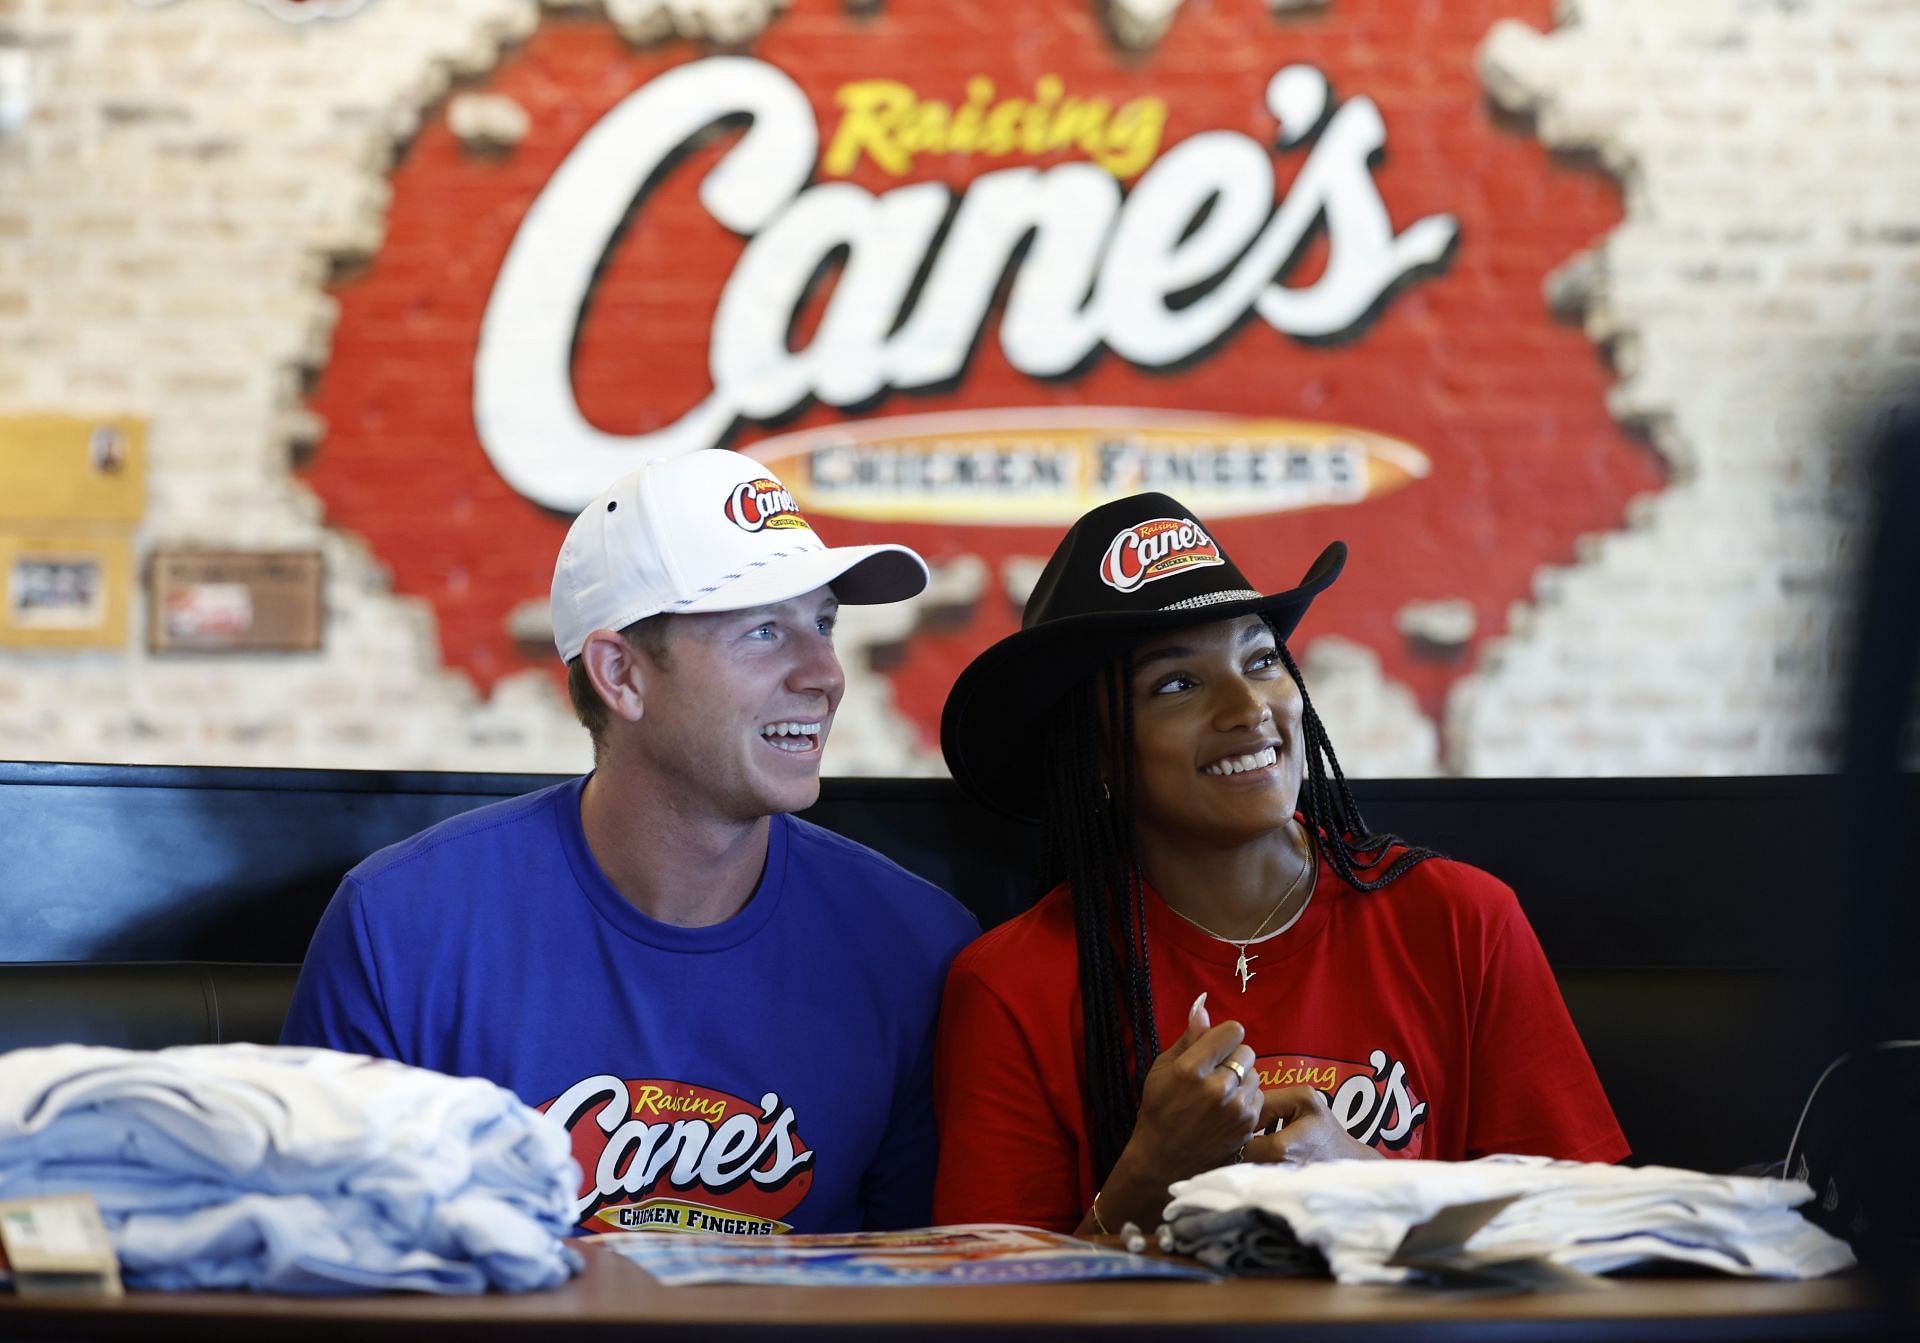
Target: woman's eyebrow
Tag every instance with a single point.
(1166, 653)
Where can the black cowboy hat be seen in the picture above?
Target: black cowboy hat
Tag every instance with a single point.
(1126, 571)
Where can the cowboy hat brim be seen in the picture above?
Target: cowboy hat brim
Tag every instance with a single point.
(995, 716)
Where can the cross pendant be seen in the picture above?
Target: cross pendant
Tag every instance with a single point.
(1240, 968)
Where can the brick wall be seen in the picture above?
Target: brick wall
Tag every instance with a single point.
(1761, 304)
(193, 181)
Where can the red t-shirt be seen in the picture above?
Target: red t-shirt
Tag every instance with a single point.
(1426, 1012)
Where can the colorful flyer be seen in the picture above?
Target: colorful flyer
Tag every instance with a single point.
(935, 1256)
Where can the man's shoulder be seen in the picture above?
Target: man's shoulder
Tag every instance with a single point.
(860, 870)
(472, 838)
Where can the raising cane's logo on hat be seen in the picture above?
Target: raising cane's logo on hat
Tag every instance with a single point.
(1156, 549)
(756, 505)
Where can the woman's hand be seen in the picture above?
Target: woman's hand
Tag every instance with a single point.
(1308, 1131)
(1196, 1112)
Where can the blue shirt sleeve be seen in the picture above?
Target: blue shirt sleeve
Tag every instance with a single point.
(337, 1003)
(897, 1190)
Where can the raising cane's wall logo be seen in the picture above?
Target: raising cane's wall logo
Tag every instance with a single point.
(1153, 550)
(660, 1155)
(955, 290)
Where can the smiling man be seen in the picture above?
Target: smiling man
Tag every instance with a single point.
(730, 1009)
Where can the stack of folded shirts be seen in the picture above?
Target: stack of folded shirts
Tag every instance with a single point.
(292, 1170)
(1585, 1216)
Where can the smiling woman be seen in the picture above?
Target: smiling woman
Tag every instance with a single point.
(1380, 999)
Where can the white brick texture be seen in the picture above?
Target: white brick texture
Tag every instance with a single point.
(186, 173)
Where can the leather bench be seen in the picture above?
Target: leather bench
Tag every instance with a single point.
(1690, 922)
(142, 1004)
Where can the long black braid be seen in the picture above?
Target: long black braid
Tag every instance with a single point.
(1089, 842)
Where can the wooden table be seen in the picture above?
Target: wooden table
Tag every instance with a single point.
(613, 1298)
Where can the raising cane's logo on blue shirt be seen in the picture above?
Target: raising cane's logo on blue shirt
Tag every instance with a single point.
(663, 1155)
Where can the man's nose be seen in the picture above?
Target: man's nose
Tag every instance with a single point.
(818, 670)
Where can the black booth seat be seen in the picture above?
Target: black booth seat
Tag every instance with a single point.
(1687, 920)
(142, 1004)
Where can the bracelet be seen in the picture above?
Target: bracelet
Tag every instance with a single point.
(1095, 1211)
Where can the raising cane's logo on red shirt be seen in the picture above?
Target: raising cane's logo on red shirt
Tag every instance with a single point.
(1373, 1101)
(1157, 549)
(662, 1155)
(756, 505)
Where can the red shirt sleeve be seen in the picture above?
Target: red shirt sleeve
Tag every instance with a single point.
(1006, 1153)
(1532, 1088)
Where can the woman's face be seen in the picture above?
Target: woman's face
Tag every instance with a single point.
(1216, 721)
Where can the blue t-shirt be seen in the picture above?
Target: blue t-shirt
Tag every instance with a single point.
(765, 1074)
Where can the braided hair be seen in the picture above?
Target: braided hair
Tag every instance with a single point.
(1089, 842)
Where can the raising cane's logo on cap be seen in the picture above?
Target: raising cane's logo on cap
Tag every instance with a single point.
(756, 505)
(1158, 549)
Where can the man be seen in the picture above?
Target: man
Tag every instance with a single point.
(730, 1009)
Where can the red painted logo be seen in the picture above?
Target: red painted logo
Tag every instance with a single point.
(756, 505)
(959, 289)
(1153, 550)
(660, 1155)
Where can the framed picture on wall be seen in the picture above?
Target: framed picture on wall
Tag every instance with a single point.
(56, 592)
(64, 589)
(208, 601)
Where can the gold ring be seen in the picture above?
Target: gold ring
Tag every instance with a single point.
(1239, 1068)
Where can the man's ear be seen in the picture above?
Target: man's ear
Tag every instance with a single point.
(618, 672)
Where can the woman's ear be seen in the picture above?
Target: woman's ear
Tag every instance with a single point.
(618, 672)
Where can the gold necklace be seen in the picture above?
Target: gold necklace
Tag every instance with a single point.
(1241, 966)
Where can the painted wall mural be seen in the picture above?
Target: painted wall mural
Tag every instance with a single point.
(957, 277)
(1539, 306)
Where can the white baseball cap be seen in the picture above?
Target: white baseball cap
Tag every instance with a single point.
(708, 530)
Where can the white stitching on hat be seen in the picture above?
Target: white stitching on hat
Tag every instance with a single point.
(1211, 599)
(725, 579)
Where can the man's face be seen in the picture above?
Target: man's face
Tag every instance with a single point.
(737, 717)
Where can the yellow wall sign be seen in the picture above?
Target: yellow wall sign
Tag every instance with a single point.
(69, 468)
(72, 489)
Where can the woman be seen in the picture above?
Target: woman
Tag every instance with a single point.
(1232, 966)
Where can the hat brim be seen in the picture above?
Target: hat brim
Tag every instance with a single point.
(858, 575)
(995, 716)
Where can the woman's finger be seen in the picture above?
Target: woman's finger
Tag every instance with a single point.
(1212, 1049)
(1289, 1104)
(1239, 1065)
